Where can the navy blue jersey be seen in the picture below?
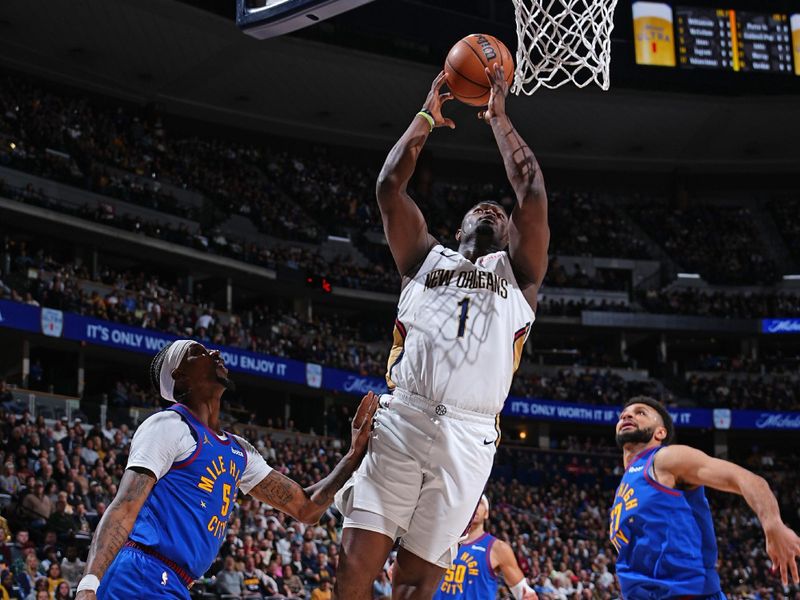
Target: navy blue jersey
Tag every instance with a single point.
(186, 514)
(471, 576)
(664, 537)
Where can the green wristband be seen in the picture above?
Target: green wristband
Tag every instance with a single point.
(427, 116)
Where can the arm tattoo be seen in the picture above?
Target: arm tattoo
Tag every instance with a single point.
(115, 526)
(276, 490)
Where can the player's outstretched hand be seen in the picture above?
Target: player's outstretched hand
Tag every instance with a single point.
(497, 95)
(362, 424)
(783, 548)
(86, 595)
(435, 100)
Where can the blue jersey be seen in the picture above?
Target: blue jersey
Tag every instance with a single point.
(186, 514)
(471, 576)
(664, 537)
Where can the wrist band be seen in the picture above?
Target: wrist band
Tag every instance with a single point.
(426, 114)
(89, 582)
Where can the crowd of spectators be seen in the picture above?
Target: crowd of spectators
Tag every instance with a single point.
(131, 153)
(772, 363)
(329, 338)
(586, 386)
(74, 140)
(720, 243)
(145, 300)
(726, 305)
(550, 505)
(784, 210)
(767, 392)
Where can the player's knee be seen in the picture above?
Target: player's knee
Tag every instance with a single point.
(355, 568)
(417, 578)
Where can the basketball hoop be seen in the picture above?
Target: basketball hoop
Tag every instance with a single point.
(562, 41)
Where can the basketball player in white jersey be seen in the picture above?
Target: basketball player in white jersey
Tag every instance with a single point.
(462, 320)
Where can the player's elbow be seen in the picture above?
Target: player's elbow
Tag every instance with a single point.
(310, 513)
(387, 186)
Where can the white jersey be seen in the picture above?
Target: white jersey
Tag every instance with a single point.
(459, 331)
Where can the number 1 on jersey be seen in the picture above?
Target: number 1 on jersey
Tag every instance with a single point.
(462, 320)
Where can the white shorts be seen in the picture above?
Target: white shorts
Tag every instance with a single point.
(422, 476)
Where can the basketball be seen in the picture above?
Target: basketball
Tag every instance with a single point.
(465, 66)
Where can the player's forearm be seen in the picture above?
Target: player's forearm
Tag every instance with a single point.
(321, 494)
(111, 534)
(401, 161)
(522, 169)
(760, 498)
(114, 528)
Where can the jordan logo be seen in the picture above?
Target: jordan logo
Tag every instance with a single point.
(206, 440)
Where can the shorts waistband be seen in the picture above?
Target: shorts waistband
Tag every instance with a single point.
(187, 579)
(441, 409)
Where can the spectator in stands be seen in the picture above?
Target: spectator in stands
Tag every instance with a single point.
(38, 506)
(292, 584)
(9, 482)
(323, 591)
(72, 566)
(229, 581)
(256, 583)
(54, 578)
(62, 592)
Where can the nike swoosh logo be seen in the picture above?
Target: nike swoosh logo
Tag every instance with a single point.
(485, 443)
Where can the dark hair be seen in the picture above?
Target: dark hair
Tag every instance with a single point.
(659, 408)
(155, 368)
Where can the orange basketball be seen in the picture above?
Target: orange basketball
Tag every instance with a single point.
(465, 66)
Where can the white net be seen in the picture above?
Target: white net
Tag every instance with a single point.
(562, 41)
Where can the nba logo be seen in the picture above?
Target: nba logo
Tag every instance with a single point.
(722, 418)
(52, 322)
(313, 375)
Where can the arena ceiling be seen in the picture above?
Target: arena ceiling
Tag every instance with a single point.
(196, 63)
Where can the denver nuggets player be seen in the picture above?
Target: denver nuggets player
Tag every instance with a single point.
(481, 557)
(168, 519)
(660, 519)
(462, 320)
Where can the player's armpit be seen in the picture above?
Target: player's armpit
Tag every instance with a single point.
(117, 522)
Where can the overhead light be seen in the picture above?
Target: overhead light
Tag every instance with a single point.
(523, 434)
(12, 145)
(791, 277)
(688, 275)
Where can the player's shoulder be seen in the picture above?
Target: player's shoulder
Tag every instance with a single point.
(502, 550)
(162, 418)
(676, 455)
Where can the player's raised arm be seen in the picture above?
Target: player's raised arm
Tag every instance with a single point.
(685, 466)
(115, 527)
(307, 505)
(528, 231)
(403, 223)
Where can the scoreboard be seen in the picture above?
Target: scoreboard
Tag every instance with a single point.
(693, 37)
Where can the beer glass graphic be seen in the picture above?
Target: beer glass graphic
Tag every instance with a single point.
(654, 36)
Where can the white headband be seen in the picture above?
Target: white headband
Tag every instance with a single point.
(485, 500)
(172, 358)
